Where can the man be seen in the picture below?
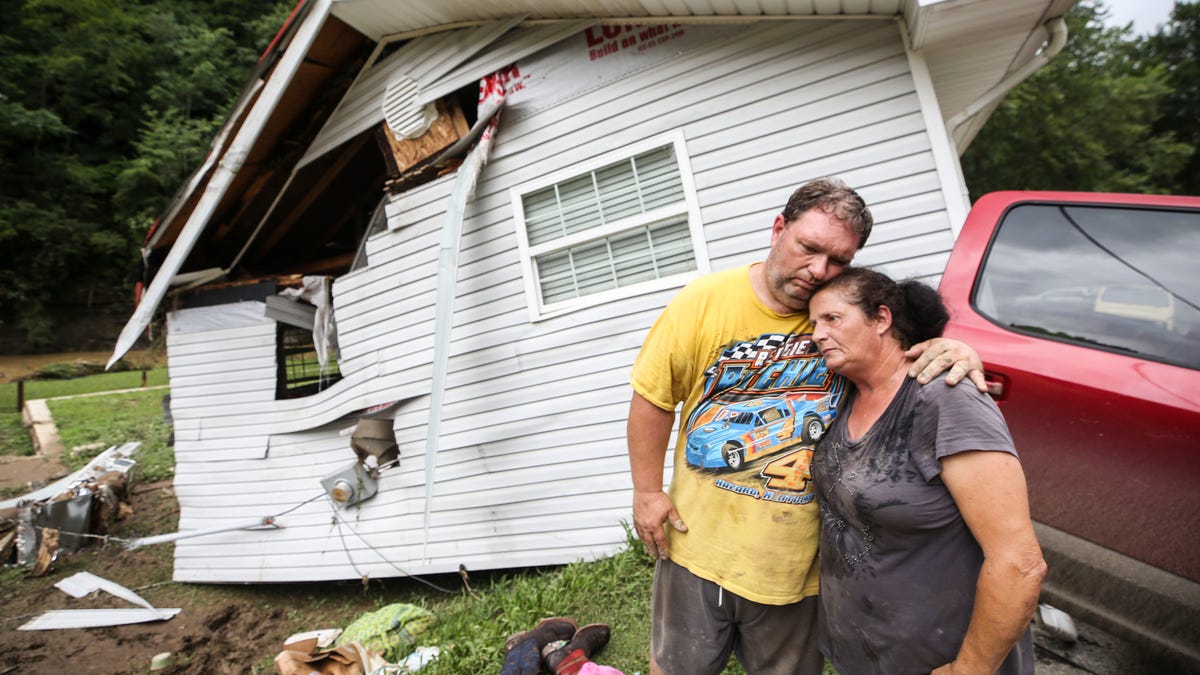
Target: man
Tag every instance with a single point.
(737, 568)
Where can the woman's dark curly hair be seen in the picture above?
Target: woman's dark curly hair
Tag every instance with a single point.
(918, 313)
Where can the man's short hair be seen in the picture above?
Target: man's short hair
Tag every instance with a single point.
(834, 197)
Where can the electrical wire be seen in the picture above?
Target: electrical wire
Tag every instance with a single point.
(339, 520)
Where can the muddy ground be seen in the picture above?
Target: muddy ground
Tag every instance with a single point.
(14, 367)
(222, 628)
(223, 637)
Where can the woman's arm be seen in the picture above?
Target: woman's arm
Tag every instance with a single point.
(989, 489)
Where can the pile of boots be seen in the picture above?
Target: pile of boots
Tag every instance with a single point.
(560, 645)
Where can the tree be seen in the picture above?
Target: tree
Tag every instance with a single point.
(1176, 46)
(1087, 121)
(106, 106)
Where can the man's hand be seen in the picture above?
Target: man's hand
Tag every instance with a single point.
(939, 355)
(650, 511)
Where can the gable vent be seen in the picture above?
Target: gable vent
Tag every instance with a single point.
(401, 112)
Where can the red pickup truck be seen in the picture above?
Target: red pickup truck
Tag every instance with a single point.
(1085, 308)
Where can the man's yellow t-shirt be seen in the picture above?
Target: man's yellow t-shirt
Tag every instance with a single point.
(756, 395)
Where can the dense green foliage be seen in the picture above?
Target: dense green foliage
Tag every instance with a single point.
(106, 106)
(1177, 49)
(1112, 112)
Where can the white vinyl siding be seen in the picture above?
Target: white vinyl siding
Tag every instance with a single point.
(534, 414)
(620, 225)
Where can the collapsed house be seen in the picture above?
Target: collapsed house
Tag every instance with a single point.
(380, 259)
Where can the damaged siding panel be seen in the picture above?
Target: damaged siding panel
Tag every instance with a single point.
(309, 527)
(211, 451)
(327, 563)
(362, 107)
(231, 340)
(423, 60)
(554, 412)
(401, 538)
(532, 388)
(396, 299)
(544, 352)
(394, 296)
(294, 457)
(388, 525)
(384, 522)
(510, 49)
(215, 374)
(214, 369)
(195, 451)
(189, 403)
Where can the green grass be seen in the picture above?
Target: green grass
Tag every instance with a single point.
(116, 419)
(129, 379)
(614, 590)
(14, 437)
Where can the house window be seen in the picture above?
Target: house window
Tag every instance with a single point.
(300, 372)
(607, 232)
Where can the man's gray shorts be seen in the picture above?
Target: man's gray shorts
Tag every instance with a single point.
(697, 625)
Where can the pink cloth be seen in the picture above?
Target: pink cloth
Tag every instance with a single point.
(590, 668)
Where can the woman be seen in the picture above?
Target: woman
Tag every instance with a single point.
(928, 556)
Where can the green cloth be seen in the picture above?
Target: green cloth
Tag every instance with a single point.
(391, 630)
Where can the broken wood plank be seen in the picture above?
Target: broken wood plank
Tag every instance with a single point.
(400, 155)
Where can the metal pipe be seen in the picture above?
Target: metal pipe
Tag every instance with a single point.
(1057, 28)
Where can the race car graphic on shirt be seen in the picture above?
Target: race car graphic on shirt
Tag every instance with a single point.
(766, 403)
(745, 431)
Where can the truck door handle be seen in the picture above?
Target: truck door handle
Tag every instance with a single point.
(995, 384)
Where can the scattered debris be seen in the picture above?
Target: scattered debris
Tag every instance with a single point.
(348, 659)
(86, 583)
(392, 629)
(64, 515)
(1057, 623)
(421, 657)
(312, 640)
(161, 661)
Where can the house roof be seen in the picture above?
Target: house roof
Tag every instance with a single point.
(254, 200)
(970, 45)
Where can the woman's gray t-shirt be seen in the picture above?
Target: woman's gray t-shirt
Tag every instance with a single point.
(898, 563)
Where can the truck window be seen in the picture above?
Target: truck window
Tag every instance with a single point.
(1115, 278)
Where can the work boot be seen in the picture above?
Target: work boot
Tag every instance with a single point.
(547, 631)
(567, 660)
